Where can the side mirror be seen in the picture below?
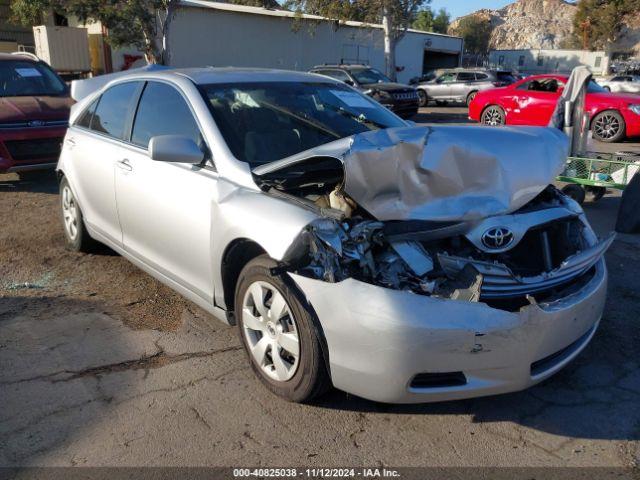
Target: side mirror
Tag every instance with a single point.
(175, 149)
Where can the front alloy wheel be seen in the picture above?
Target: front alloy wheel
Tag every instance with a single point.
(280, 333)
(493, 116)
(608, 126)
(271, 331)
(423, 99)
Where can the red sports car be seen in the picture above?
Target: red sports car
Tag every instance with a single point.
(532, 101)
(34, 113)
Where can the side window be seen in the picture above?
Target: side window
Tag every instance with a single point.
(84, 120)
(111, 114)
(163, 111)
(482, 76)
(337, 74)
(466, 77)
(446, 78)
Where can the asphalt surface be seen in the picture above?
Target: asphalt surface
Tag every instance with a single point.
(103, 366)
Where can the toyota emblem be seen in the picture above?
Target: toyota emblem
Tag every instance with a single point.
(497, 238)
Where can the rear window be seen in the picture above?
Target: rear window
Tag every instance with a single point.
(22, 78)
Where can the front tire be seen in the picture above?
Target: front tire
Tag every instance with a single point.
(279, 334)
(493, 116)
(75, 232)
(608, 126)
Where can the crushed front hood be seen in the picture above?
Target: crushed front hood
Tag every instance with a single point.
(451, 173)
(444, 173)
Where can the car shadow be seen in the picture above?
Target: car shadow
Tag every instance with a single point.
(43, 182)
(441, 115)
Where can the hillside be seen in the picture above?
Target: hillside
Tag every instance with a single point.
(543, 24)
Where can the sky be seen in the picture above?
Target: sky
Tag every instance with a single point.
(457, 8)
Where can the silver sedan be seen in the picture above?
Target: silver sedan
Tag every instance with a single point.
(394, 262)
(622, 84)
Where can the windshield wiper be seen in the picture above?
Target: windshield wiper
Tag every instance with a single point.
(360, 118)
(304, 119)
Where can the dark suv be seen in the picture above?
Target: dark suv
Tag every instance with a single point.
(400, 99)
(34, 113)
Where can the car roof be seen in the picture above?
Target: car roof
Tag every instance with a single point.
(204, 76)
(345, 66)
(16, 56)
(564, 78)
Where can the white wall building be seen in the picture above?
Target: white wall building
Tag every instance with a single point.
(535, 61)
(223, 34)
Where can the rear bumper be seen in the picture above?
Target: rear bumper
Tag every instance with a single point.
(379, 340)
(30, 155)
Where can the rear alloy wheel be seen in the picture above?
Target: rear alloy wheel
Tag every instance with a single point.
(493, 115)
(423, 99)
(75, 233)
(279, 334)
(470, 97)
(608, 126)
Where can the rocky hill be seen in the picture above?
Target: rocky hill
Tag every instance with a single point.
(543, 24)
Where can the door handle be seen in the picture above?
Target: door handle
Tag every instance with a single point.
(70, 141)
(124, 165)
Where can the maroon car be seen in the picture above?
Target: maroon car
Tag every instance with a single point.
(34, 112)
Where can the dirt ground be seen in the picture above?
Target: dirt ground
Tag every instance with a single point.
(102, 365)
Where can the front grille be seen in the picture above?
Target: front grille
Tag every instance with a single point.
(34, 149)
(439, 380)
(405, 96)
(34, 124)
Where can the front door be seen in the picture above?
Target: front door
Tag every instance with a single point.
(165, 209)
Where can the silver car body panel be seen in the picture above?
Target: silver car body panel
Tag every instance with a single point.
(178, 221)
(380, 339)
(632, 86)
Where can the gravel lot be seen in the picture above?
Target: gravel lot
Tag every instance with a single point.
(102, 365)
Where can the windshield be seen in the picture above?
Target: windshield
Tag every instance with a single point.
(21, 78)
(369, 75)
(263, 122)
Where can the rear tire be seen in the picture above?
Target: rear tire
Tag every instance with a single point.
(608, 126)
(75, 232)
(423, 98)
(470, 97)
(273, 323)
(576, 192)
(607, 88)
(493, 116)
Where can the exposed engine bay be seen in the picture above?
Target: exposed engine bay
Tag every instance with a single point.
(442, 233)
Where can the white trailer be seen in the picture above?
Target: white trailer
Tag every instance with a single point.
(65, 49)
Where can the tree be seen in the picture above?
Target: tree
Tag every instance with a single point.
(441, 21)
(476, 33)
(597, 23)
(423, 20)
(142, 24)
(396, 17)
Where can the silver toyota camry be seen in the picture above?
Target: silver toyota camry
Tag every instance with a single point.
(351, 248)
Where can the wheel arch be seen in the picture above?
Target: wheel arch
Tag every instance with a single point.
(235, 257)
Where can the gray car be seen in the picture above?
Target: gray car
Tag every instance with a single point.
(457, 86)
(622, 84)
(350, 248)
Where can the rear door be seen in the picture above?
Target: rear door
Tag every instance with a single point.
(441, 88)
(94, 144)
(463, 85)
(165, 208)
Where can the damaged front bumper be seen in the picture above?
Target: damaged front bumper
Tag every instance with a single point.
(399, 347)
